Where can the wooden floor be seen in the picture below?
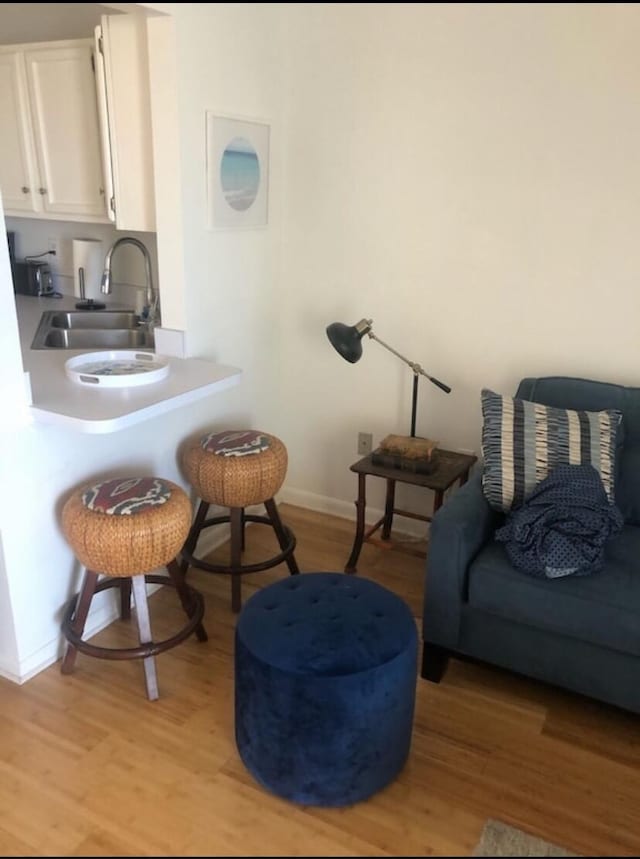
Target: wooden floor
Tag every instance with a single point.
(88, 766)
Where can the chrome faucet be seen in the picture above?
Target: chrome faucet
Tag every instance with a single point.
(150, 310)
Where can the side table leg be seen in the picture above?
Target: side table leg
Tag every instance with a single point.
(361, 503)
(438, 500)
(388, 509)
(464, 477)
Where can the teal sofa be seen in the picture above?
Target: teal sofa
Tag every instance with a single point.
(580, 632)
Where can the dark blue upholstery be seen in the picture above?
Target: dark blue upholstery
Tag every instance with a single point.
(325, 676)
(603, 608)
(579, 632)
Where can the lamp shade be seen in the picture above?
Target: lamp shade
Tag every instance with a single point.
(347, 339)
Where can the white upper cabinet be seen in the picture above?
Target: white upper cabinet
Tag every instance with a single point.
(122, 79)
(65, 119)
(18, 174)
(50, 140)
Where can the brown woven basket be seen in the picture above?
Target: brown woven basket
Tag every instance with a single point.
(127, 545)
(236, 481)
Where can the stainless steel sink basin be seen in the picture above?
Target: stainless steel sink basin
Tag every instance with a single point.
(91, 329)
(95, 338)
(95, 319)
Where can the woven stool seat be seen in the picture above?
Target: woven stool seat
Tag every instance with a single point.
(237, 469)
(124, 529)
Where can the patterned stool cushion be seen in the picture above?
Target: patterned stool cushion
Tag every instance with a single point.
(235, 468)
(235, 443)
(124, 496)
(325, 680)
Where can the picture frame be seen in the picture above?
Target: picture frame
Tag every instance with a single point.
(237, 164)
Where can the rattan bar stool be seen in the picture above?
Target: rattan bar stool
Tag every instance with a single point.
(124, 528)
(237, 469)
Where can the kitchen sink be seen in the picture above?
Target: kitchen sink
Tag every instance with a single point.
(92, 329)
(96, 338)
(94, 319)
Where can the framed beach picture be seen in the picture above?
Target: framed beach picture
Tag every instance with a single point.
(237, 172)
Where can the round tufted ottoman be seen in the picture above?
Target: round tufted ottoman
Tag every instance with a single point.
(124, 528)
(325, 678)
(236, 469)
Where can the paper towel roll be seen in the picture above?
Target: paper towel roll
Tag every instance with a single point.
(88, 254)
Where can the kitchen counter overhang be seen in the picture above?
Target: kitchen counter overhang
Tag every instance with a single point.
(56, 399)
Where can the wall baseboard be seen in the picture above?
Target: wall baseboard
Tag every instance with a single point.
(347, 510)
(51, 652)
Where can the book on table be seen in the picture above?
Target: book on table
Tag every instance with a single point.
(417, 455)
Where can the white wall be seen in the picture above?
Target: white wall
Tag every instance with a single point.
(466, 175)
(13, 417)
(230, 60)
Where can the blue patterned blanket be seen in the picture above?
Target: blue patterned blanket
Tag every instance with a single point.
(562, 527)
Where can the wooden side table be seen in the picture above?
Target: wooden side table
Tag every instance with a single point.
(451, 466)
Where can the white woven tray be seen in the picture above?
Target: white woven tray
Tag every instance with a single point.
(123, 368)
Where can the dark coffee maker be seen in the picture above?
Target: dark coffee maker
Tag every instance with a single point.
(33, 278)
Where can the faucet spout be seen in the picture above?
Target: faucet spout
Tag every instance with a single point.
(151, 308)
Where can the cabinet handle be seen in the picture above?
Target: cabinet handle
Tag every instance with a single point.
(42, 191)
(25, 190)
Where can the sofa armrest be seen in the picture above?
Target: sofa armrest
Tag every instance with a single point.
(458, 531)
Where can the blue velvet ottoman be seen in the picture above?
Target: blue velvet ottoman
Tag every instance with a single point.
(325, 681)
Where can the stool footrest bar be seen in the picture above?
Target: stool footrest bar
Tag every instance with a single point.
(143, 651)
(287, 551)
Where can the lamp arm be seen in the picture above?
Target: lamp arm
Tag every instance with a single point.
(417, 369)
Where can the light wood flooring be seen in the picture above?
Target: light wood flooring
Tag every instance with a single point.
(88, 766)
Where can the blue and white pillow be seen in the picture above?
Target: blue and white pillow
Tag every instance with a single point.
(522, 442)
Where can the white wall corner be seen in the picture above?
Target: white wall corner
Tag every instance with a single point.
(53, 650)
(27, 389)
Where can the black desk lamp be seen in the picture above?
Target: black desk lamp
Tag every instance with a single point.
(347, 340)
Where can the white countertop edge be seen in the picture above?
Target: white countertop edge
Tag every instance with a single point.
(137, 416)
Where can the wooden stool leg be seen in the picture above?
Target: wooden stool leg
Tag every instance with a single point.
(194, 533)
(144, 629)
(125, 598)
(236, 520)
(276, 521)
(178, 579)
(80, 618)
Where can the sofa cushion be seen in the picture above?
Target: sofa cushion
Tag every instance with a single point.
(603, 608)
(523, 441)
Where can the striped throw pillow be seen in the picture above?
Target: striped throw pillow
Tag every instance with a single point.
(522, 442)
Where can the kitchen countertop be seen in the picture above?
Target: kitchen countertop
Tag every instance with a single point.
(56, 399)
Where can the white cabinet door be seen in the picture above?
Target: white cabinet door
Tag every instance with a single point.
(18, 176)
(64, 114)
(122, 40)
